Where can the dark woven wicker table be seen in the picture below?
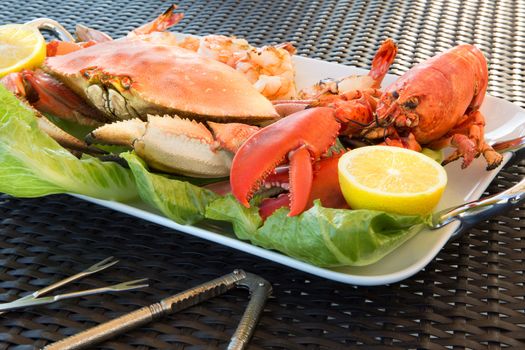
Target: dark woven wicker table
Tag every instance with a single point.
(470, 296)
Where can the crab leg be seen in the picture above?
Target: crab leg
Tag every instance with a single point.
(14, 82)
(63, 138)
(300, 138)
(67, 44)
(48, 95)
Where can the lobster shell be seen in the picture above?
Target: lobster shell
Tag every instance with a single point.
(434, 95)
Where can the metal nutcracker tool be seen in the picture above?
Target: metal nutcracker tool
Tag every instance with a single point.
(258, 287)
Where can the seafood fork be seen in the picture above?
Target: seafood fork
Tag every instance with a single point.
(471, 213)
(36, 298)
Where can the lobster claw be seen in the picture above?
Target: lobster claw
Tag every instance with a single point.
(325, 187)
(300, 139)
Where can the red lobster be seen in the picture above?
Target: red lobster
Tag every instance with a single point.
(435, 104)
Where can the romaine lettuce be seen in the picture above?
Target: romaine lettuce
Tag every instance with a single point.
(321, 236)
(32, 164)
(180, 201)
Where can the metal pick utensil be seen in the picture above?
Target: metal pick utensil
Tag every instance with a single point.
(471, 213)
(259, 289)
(37, 298)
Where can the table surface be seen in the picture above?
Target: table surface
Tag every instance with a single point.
(470, 296)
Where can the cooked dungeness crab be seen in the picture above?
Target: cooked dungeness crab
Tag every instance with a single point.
(164, 99)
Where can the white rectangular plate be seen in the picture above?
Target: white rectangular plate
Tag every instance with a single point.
(504, 121)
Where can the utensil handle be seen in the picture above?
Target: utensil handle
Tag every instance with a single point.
(54, 26)
(260, 290)
(109, 329)
(473, 212)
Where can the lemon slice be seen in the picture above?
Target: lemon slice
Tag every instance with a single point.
(391, 179)
(21, 47)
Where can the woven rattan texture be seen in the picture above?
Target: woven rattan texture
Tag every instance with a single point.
(471, 296)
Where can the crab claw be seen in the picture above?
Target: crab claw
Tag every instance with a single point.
(301, 138)
(177, 145)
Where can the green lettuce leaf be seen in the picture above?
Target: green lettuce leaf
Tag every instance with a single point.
(245, 221)
(321, 236)
(32, 164)
(179, 200)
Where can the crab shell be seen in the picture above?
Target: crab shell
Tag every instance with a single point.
(131, 78)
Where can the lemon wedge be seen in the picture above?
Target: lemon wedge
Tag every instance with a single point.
(21, 47)
(391, 179)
